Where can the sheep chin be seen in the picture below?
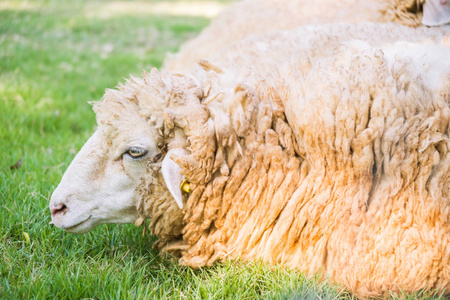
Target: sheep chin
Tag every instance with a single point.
(81, 227)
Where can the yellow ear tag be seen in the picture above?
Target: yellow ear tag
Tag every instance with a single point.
(184, 187)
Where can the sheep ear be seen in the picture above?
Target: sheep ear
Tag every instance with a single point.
(436, 12)
(171, 174)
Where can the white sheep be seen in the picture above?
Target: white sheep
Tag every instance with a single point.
(336, 161)
(256, 17)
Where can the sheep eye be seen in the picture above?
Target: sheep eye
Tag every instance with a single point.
(136, 152)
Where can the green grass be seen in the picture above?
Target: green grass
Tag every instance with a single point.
(55, 57)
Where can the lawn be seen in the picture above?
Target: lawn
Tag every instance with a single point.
(55, 57)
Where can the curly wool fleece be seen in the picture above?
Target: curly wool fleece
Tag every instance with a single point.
(337, 165)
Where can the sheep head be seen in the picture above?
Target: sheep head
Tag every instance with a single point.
(141, 128)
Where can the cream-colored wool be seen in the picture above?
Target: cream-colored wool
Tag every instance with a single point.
(338, 163)
(256, 17)
(406, 12)
(265, 53)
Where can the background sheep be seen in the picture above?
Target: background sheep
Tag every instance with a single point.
(336, 164)
(256, 17)
(265, 53)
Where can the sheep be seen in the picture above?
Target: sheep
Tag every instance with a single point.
(256, 17)
(265, 53)
(334, 163)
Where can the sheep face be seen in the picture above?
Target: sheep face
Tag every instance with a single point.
(125, 172)
(100, 184)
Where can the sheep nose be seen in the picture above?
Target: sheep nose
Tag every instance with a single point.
(60, 208)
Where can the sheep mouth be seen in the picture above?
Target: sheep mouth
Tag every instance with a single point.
(70, 228)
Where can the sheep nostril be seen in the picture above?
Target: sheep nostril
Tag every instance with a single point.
(60, 208)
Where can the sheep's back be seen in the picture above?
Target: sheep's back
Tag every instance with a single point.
(365, 196)
(266, 53)
(256, 17)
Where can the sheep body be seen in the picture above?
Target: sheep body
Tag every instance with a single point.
(266, 53)
(255, 17)
(339, 163)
